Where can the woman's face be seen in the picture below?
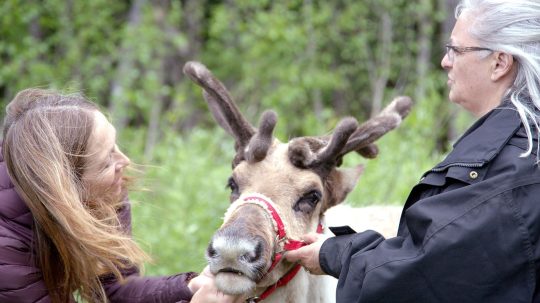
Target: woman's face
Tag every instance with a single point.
(469, 72)
(105, 163)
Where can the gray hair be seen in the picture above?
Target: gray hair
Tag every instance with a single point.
(513, 27)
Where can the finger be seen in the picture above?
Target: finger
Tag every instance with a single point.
(195, 284)
(206, 272)
(300, 255)
(310, 238)
(293, 255)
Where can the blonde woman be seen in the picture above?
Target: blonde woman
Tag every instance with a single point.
(64, 213)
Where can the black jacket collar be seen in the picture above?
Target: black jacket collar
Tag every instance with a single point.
(485, 138)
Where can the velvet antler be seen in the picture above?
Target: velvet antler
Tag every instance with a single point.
(323, 153)
(251, 145)
(389, 118)
(310, 152)
(260, 143)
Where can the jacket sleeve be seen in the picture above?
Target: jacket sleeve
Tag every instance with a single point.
(367, 266)
(480, 253)
(20, 281)
(137, 289)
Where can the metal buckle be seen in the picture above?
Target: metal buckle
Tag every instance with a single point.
(252, 300)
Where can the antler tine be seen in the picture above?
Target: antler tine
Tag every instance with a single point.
(339, 139)
(370, 151)
(376, 127)
(221, 104)
(260, 143)
(313, 152)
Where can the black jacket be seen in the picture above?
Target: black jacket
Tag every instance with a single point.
(469, 231)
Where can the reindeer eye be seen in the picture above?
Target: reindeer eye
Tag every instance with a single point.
(306, 204)
(235, 192)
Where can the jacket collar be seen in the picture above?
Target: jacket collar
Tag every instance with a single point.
(485, 138)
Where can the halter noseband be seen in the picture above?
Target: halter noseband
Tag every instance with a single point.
(284, 243)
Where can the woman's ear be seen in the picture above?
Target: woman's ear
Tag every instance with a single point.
(503, 64)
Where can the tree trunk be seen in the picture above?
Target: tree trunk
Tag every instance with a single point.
(425, 23)
(152, 133)
(123, 78)
(380, 71)
(192, 26)
(311, 52)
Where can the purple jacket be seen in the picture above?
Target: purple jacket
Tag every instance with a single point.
(21, 281)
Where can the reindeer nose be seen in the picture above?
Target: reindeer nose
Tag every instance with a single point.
(254, 255)
(234, 249)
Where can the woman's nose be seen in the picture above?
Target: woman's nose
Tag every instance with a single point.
(445, 62)
(122, 161)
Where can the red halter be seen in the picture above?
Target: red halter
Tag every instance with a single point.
(281, 237)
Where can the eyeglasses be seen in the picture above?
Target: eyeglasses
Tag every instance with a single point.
(452, 50)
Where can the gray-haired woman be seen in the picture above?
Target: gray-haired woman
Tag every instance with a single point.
(470, 230)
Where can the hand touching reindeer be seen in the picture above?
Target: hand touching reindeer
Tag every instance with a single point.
(209, 293)
(308, 256)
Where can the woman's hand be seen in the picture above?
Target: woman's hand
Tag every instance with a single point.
(205, 290)
(308, 256)
(205, 277)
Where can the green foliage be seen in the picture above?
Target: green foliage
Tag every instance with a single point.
(184, 200)
(56, 45)
(311, 61)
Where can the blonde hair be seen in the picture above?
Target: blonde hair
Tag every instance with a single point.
(45, 141)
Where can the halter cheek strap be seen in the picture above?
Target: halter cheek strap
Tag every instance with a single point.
(283, 241)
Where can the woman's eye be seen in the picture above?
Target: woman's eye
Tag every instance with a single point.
(235, 193)
(109, 161)
(308, 202)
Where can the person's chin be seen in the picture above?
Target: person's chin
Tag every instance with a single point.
(453, 97)
(117, 191)
(123, 192)
(117, 185)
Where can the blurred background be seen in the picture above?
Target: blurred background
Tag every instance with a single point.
(311, 61)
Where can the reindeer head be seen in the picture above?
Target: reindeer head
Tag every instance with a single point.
(294, 182)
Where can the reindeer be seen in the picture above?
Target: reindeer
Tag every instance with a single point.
(280, 191)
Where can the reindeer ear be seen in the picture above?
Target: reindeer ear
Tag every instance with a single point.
(339, 184)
